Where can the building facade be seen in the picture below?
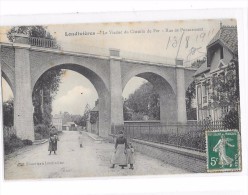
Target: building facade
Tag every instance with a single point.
(221, 50)
(57, 122)
(69, 126)
(93, 120)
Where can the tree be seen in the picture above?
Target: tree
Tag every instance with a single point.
(44, 92)
(94, 117)
(87, 111)
(81, 120)
(31, 31)
(127, 112)
(226, 86)
(190, 95)
(143, 102)
(190, 92)
(225, 93)
(47, 85)
(231, 119)
(67, 117)
(8, 113)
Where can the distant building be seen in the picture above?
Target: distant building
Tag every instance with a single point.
(69, 126)
(92, 124)
(220, 51)
(57, 121)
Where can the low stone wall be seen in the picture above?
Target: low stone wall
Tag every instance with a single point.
(142, 123)
(183, 158)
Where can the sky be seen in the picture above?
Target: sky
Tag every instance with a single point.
(165, 39)
(75, 92)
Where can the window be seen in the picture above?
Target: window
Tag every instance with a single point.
(204, 92)
(221, 76)
(225, 109)
(199, 95)
(221, 53)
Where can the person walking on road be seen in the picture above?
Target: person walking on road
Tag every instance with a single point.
(119, 157)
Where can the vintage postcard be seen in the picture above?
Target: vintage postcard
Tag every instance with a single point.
(120, 99)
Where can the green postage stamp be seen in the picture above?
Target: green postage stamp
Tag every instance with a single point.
(223, 151)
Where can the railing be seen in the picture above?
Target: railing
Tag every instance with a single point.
(147, 123)
(126, 55)
(189, 136)
(147, 57)
(43, 42)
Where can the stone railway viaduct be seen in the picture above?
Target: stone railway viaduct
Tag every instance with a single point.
(24, 61)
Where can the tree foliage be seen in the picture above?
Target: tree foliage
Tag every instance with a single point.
(47, 85)
(77, 119)
(80, 121)
(190, 95)
(83, 119)
(226, 86)
(225, 93)
(8, 113)
(94, 117)
(143, 102)
(231, 120)
(44, 92)
(67, 117)
(31, 31)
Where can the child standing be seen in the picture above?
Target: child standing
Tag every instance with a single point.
(80, 139)
(130, 155)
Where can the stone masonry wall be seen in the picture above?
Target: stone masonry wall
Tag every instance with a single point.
(183, 158)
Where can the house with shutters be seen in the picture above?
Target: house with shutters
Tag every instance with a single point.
(220, 51)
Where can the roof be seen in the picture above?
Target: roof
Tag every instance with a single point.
(227, 35)
(202, 68)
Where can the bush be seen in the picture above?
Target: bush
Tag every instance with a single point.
(93, 117)
(12, 143)
(27, 142)
(38, 136)
(231, 120)
(42, 130)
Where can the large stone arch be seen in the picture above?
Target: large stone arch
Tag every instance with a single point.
(8, 75)
(8, 80)
(168, 76)
(40, 62)
(98, 83)
(189, 77)
(168, 103)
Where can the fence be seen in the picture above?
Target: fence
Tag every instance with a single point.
(190, 135)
